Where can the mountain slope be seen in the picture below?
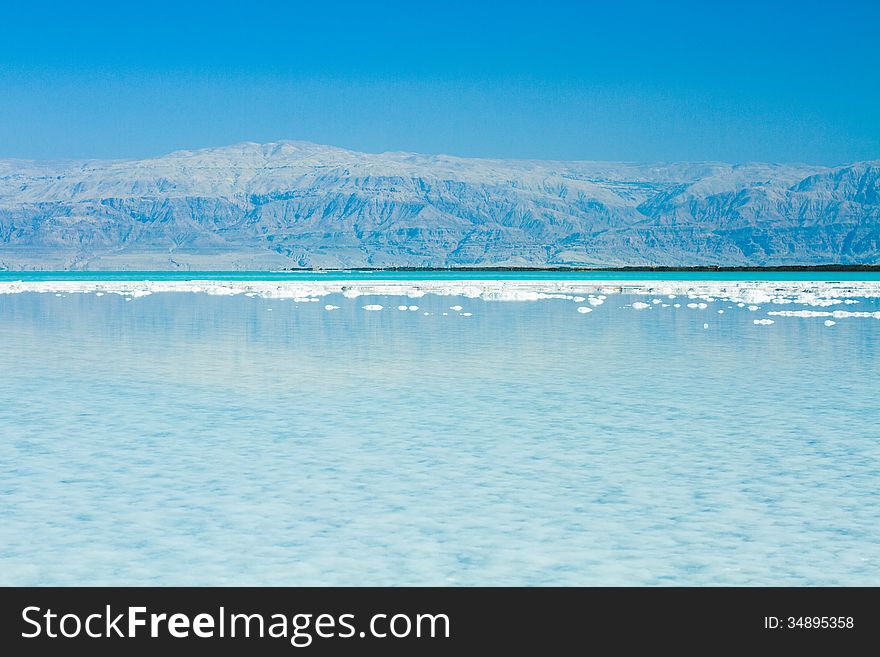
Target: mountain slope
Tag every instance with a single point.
(298, 204)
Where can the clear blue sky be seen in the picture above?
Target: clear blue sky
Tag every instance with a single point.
(733, 81)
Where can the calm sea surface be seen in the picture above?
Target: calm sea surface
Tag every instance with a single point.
(185, 438)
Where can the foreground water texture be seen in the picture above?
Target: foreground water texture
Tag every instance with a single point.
(470, 432)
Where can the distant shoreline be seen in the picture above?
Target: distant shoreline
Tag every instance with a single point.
(872, 268)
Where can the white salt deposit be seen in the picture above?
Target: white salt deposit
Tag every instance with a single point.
(762, 322)
(838, 314)
(705, 326)
(750, 294)
(830, 322)
(331, 307)
(584, 310)
(372, 306)
(402, 307)
(738, 292)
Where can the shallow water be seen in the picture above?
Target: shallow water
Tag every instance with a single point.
(184, 438)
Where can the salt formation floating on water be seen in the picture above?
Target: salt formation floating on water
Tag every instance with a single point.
(753, 293)
(744, 294)
(584, 310)
(331, 307)
(839, 314)
(830, 322)
(763, 322)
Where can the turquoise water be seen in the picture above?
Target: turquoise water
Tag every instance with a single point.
(186, 438)
(359, 275)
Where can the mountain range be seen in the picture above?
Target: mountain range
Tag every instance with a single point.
(296, 204)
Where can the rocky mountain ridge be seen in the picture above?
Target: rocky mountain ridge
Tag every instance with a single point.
(295, 204)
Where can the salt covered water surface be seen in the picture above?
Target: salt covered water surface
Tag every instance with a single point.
(190, 438)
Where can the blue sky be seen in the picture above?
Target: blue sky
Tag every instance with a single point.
(775, 81)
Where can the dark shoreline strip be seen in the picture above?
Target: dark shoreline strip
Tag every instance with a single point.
(842, 268)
